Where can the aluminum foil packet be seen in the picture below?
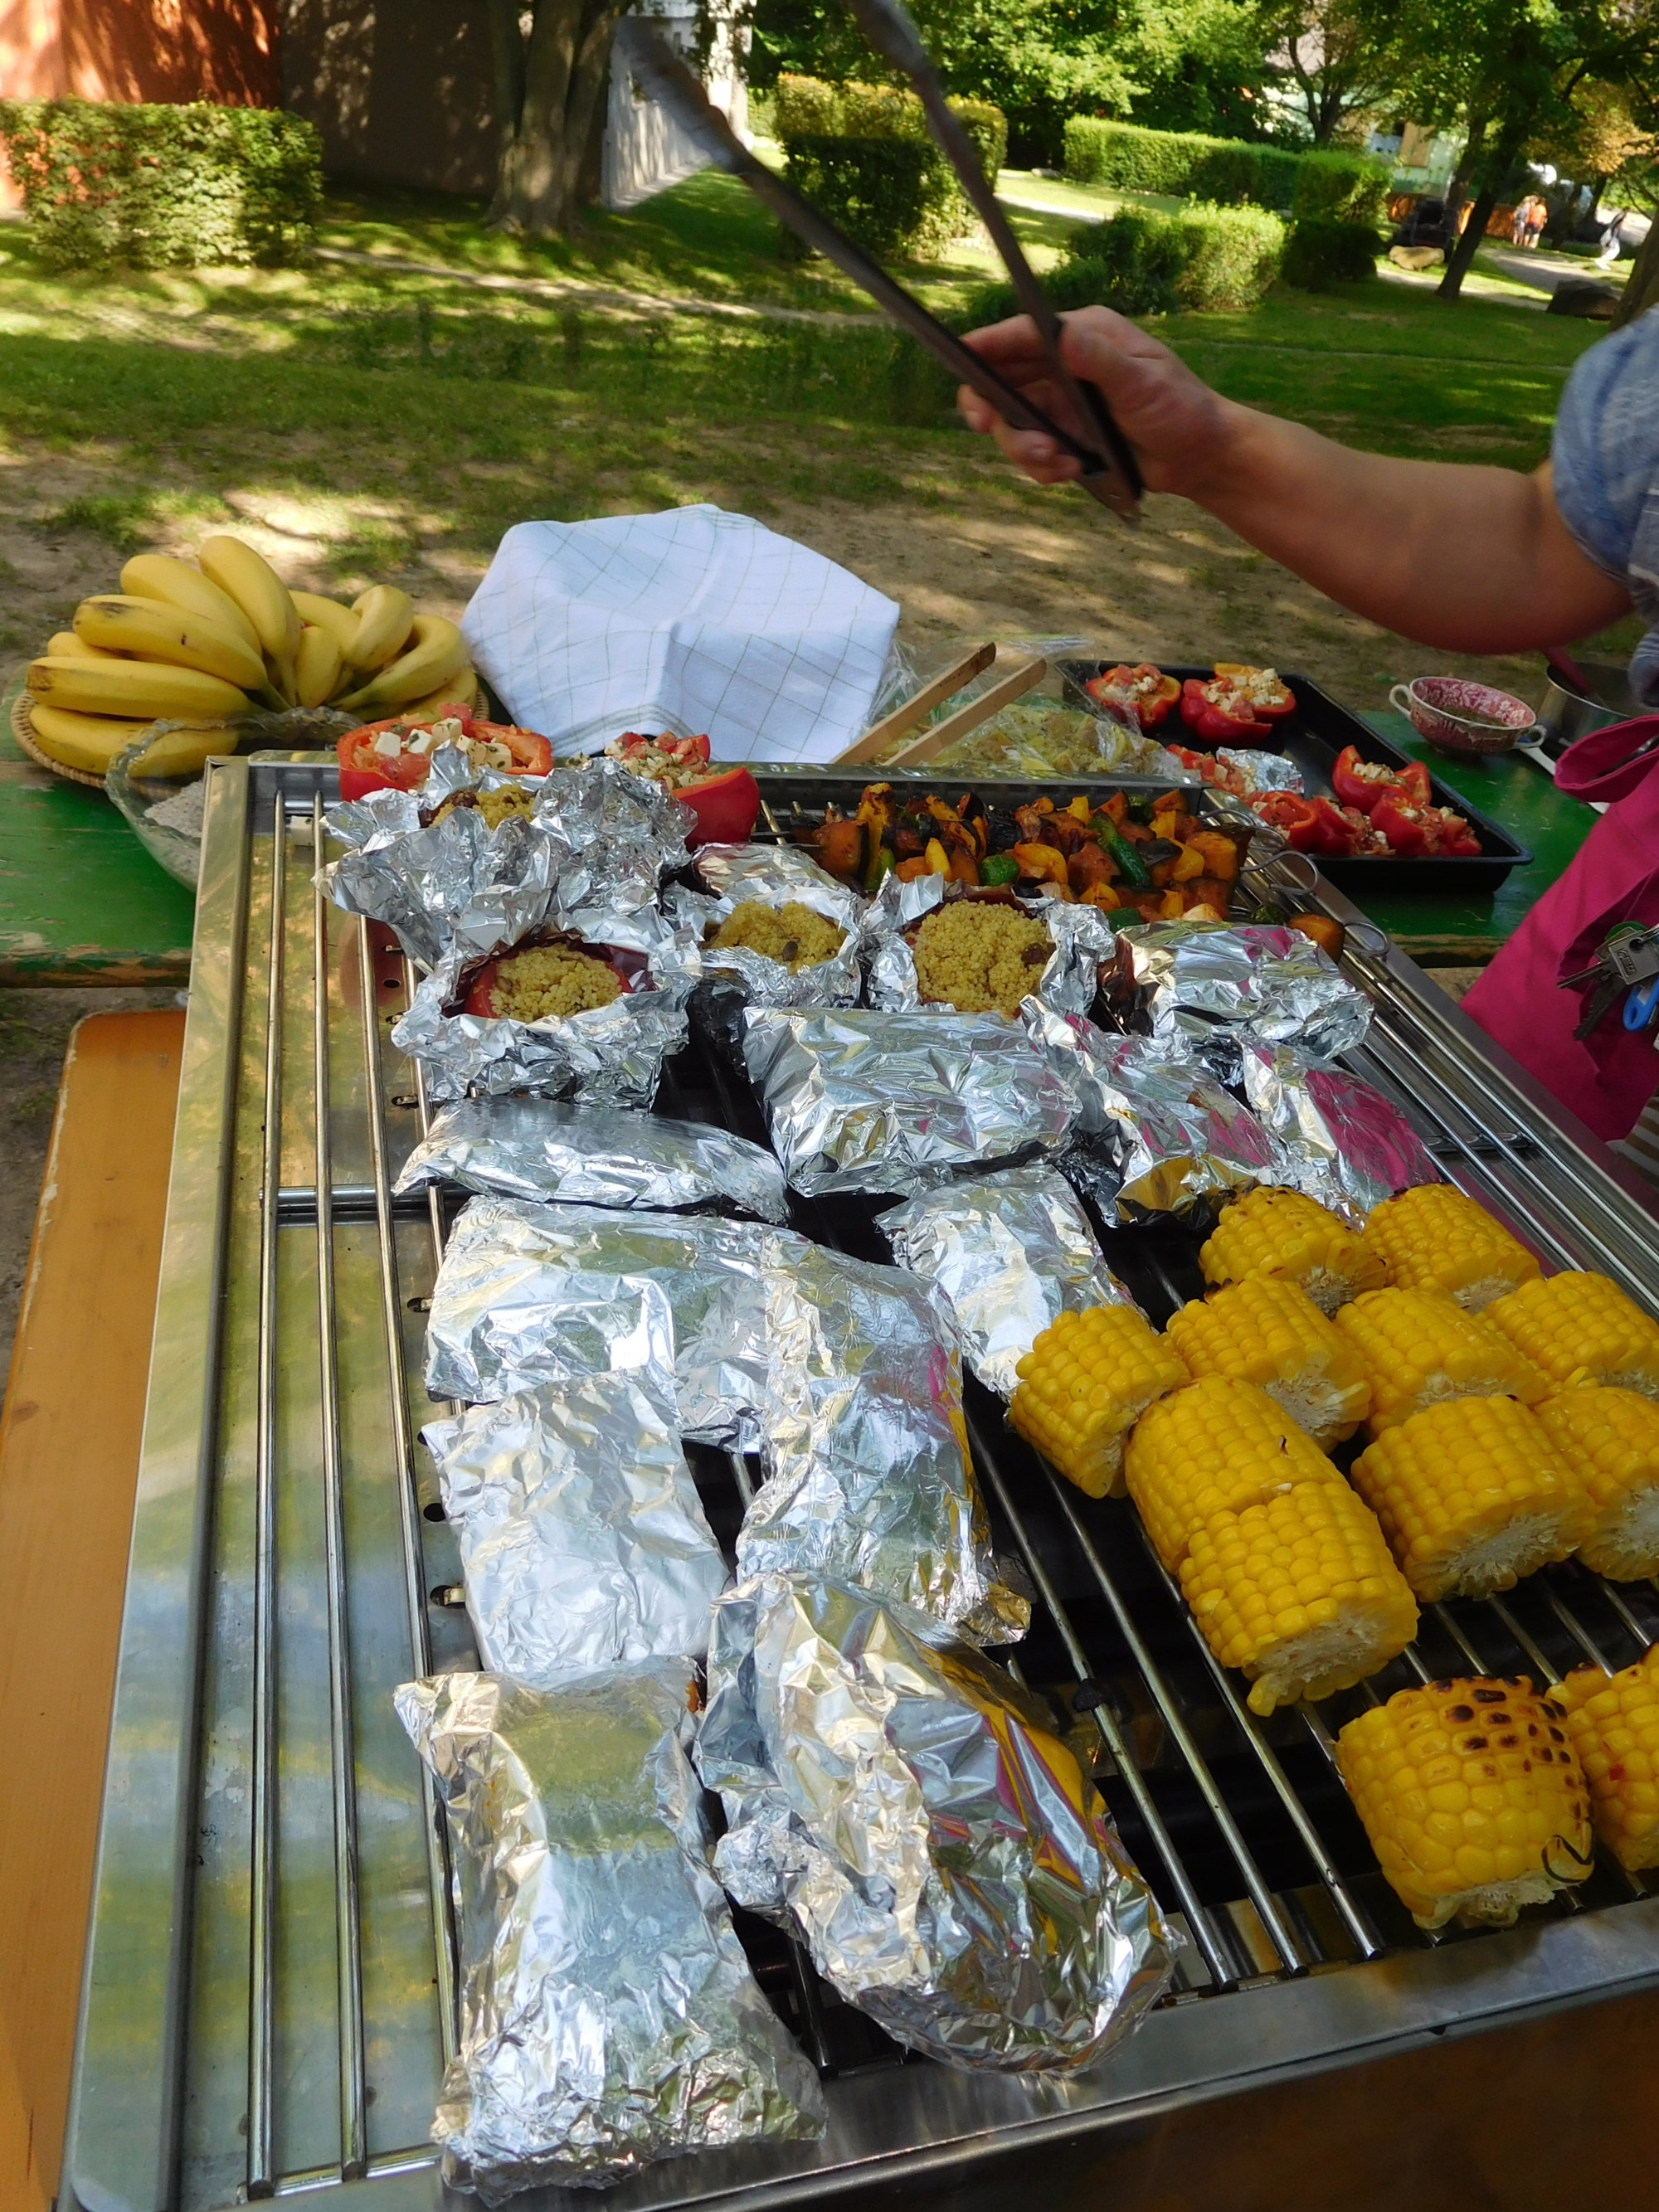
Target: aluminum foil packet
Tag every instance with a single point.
(1261, 771)
(530, 1294)
(1213, 987)
(608, 2015)
(606, 1056)
(1011, 1251)
(1084, 941)
(868, 1474)
(754, 977)
(881, 1101)
(1157, 1138)
(1338, 1138)
(536, 1148)
(769, 873)
(904, 1808)
(582, 1540)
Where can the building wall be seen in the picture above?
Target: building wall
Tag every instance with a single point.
(401, 91)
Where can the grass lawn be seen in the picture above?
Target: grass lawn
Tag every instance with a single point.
(361, 421)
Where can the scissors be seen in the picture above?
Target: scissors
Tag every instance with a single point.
(1110, 471)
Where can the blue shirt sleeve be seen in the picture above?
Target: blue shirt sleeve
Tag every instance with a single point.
(1605, 465)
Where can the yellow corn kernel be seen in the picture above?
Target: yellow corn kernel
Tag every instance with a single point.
(1216, 1447)
(1281, 1233)
(1083, 1385)
(1473, 1798)
(1269, 1332)
(1435, 1238)
(1298, 1591)
(1583, 1328)
(1610, 1439)
(1613, 1724)
(1419, 1348)
(1472, 1495)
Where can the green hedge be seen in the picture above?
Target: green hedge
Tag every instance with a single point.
(1183, 163)
(838, 140)
(1320, 253)
(1333, 187)
(1144, 264)
(162, 187)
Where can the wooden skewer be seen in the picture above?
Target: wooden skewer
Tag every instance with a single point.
(882, 733)
(1020, 679)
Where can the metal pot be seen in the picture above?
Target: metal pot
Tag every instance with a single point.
(1565, 715)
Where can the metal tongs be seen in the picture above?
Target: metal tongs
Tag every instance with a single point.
(1110, 471)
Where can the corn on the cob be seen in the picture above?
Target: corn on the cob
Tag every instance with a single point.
(1434, 1238)
(1610, 1439)
(1298, 1591)
(1419, 1349)
(1613, 1724)
(1472, 1495)
(1583, 1328)
(1281, 1233)
(1472, 1797)
(1084, 1385)
(1213, 1448)
(1270, 1332)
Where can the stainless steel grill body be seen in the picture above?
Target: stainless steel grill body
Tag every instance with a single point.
(269, 1993)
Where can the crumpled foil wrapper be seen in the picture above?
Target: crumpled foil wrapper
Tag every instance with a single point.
(868, 1474)
(904, 1808)
(1070, 979)
(1158, 1140)
(752, 977)
(881, 1101)
(769, 872)
(582, 1540)
(606, 1056)
(536, 1148)
(1337, 1140)
(597, 838)
(608, 2015)
(1011, 1251)
(1213, 987)
(529, 1294)
(1263, 772)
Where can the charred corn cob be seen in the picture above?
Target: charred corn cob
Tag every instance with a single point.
(1298, 1591)
(1434, 1238)
(1613, 1726)
(1214, 1448)
(1084, 1385)
(1472, 1495)
(1418, 1349)
(1583, 1328)
(1270, 1332)
(1281, 1233)
(1472, 1797)
(1610, 1439)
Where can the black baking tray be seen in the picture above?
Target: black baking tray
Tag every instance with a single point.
(1313, 737)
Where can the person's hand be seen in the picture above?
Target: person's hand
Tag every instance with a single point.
(1179, 429)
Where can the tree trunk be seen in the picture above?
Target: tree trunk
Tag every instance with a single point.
(1642, 290)
(1463, 253)
(562, 75)
(1563, 213)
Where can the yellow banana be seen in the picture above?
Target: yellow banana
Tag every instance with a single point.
(158, 577)
(145, 688)
(437, 651)
(317, 665)
(152, 630)
(386, 617)
(88, 742)
(180, 752)
(64, 645)
(460, 691)
(263, 597)
(327, 614)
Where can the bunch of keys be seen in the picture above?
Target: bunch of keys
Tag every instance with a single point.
(1628, 962)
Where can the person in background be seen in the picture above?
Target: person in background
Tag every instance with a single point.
(1472, 559)
(1537, 216)
(1518, 222)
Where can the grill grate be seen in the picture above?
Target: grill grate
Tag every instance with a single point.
(302, 2032)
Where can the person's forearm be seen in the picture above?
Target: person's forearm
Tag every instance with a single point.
(1473, 559)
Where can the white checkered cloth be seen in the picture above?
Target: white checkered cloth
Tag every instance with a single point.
(692, 622)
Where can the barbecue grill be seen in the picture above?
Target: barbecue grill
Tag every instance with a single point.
(270, 1988)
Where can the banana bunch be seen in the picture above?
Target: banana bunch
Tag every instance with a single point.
(206, 645)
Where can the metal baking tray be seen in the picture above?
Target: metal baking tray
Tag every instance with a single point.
(1313, 737)
(268, 1994)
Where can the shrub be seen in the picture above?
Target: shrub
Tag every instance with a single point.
(1332, 187)
(162, 187)
(1227, 171)
(874, 189)
(1320, 253)
(866, 192)
(1144, 264)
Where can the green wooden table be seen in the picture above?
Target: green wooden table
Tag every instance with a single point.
(82, 901)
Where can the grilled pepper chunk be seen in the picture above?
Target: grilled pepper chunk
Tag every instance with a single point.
(1365, 783)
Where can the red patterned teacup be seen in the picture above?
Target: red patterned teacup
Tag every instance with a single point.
(1462, 716)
